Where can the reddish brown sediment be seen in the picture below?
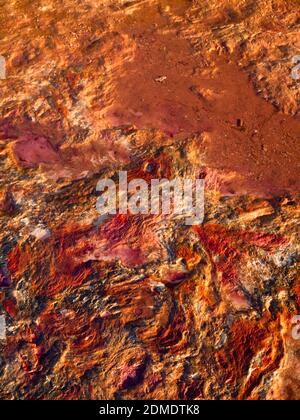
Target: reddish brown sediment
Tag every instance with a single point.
(228, 250)
(143, 306)
(7, 203)
(30, 152)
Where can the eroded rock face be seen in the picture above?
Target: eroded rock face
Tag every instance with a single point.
(143, 306)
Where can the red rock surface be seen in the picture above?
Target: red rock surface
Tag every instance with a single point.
(144, 307)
